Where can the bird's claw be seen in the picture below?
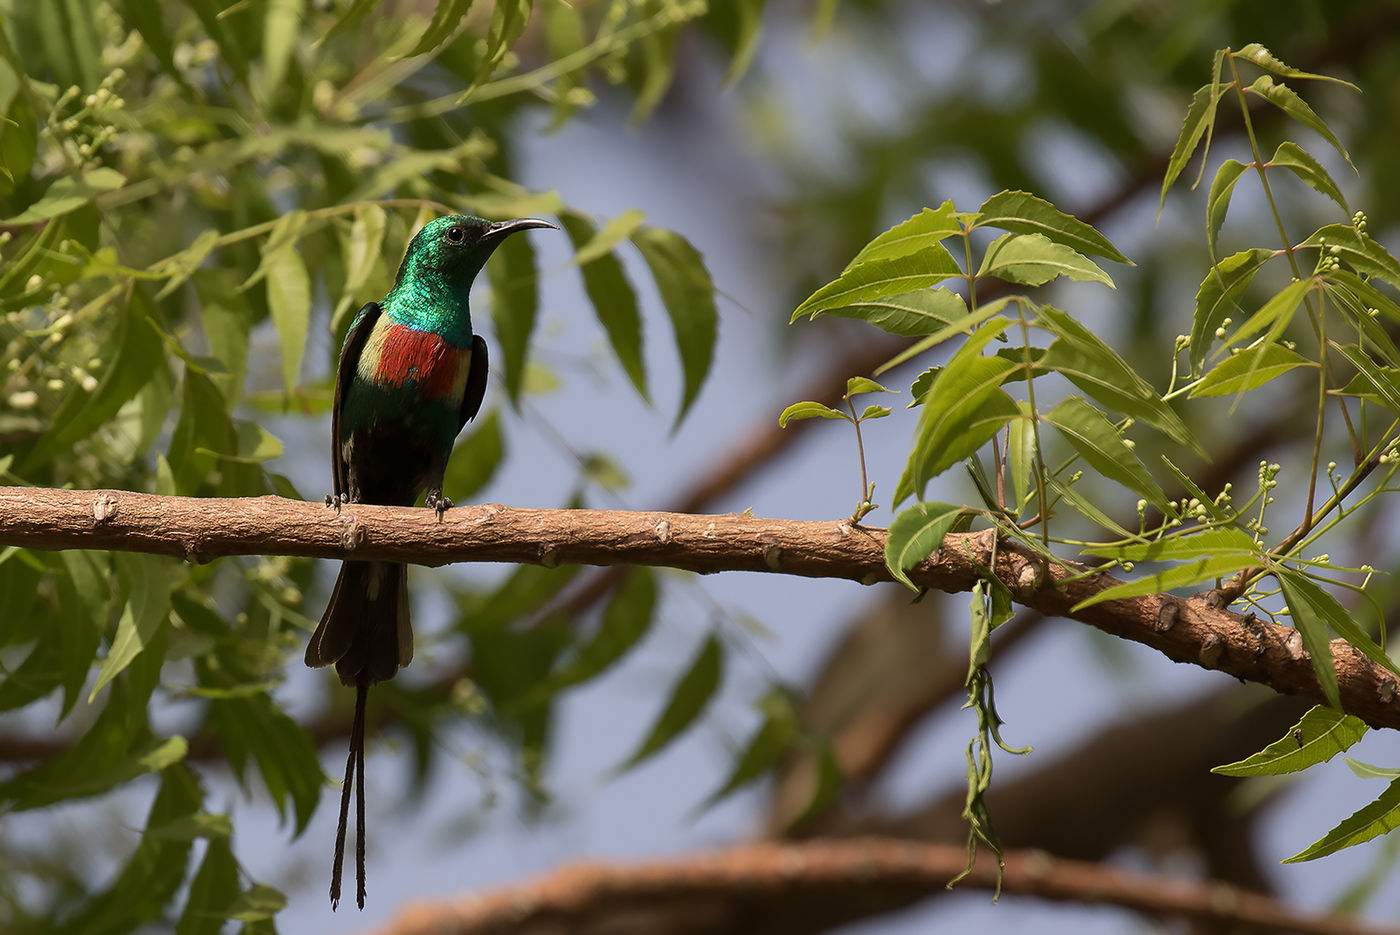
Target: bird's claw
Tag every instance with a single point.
(436, 502)
(336, 501)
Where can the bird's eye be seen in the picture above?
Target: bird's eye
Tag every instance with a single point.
(456, 235)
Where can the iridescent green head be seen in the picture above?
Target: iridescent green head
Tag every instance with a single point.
(438, 268)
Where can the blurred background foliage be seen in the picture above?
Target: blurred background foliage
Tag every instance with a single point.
(197, 194)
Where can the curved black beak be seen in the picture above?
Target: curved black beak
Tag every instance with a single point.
(500, 230)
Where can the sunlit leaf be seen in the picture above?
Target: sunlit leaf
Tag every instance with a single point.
(1034, 259)
(1219, 296)
(1179, 576)
(1287, 100)
(923, 230)
(1367, 822)
(1219, 201)
(1301, 163)
(808, 409)
(1320, 735)
(880, 277)
(1249, 369)
(915, 534)
(1358, 250)
(922, 311)
(289, 298)
(1259, 55)
(1199, 116)
(1025, 213)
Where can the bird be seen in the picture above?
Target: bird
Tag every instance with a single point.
(411, 373)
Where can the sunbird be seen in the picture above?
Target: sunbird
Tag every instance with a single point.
(411, 374)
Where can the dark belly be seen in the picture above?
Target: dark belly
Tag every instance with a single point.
(397, 439)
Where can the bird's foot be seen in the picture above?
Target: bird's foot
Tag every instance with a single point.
(336, 501)
(436, 502)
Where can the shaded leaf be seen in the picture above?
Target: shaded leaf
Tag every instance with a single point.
(764, 748)
(1101, 444)
(688, 699)
(447, 17)
(1219, 201)
(514, 307)
(1358, 250)
(289, 298)
(626, 619)
(611, 294)
(212, 892)
(475, 459)
(689, 297)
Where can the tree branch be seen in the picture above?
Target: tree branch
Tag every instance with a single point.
(817, 885)
(1185, 630)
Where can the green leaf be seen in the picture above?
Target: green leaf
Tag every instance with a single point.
(258, 903)
(1306, 603)
(286, 757)
(508, 20)
(658, 69)
(1370, 770)
(348, 22)
(1085, 507)
(475, 459)
(1385, 383)
(1275, 314)
(590, 248)
(1367, 822)
(1179, 576)
(212, 892)
(1034, 259)
(1358, 250)
(183, 265)
(964, 325)
(1199, 116)
(1324, 610)
(923, 311)
(1024, 213)
(1097, 369)
(1219, 201)
(1100, 443)
(857, 385)
(281, 23)
(689, 297)
(688, 700)
(68, 194)
(1301, 163)
(1259, 55)
(808, 409)
(146, 579)
(963, 409)
(1218, 296)
(748, 22)
(1020, 458)
(764, 748)
(626, 619)
(611, 295)
(924, 230)
(289, 298)
(1204, 543)
(874, 412)
(880, 277)
(514, 307)
(1287, 100)
(447, 17)
(915, 534)
(1249, 369)
(1320, 735)
(363, 252)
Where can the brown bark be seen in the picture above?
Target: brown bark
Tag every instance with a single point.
(1185, 630)
(784, 889)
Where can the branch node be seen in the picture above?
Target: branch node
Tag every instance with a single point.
(1168, 613)
(870, 578)
(1030, 577)
(773, 557)
(1212, 648)
(192, 553)
(549, 555)
(663, 531)
(709, 532)
(353, 535)
(1386, 691)
(1294, 645)
(104, 507)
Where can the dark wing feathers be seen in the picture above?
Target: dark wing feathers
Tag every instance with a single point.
(350, 351)
(476, 382)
